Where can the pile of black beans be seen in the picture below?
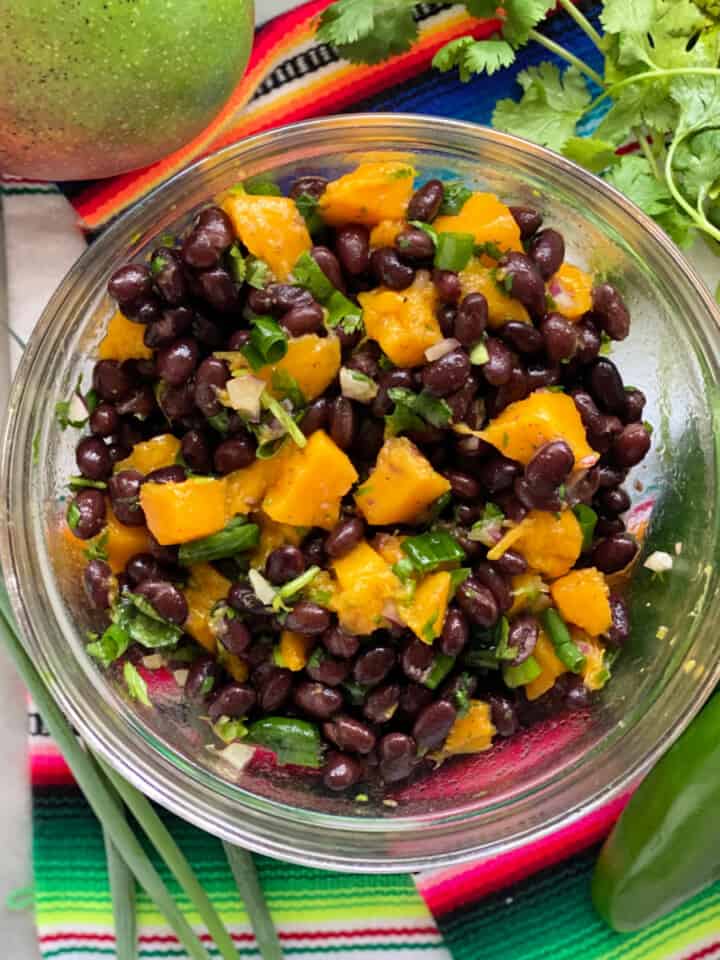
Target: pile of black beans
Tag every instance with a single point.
(366, 693)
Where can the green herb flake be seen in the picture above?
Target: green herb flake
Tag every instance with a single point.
(456, 195)
(261, 186)
(428, 629)
(605, 345)
(307, 273)
(488, 529)
(237, 263)
(648, 427)
(413, 410)
(257, 273)
(73, 516)
(309, 209)
(157, 264)
(479, 354)
(229, 729)
(287, 388)
(587, 518)
(402, 174)
(454, 251)
(97, 550)
(268, 343)
(82, 483)
(110, 646)
(136, 686)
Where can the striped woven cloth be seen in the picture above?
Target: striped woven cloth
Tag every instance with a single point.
(530, 904)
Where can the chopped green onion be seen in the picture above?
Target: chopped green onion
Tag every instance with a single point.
(220, 421)
(310, 275)
(257, 273)
(284, 419)
(433, 549)
(454, 251)
(489, 248)
(458, 577)
(503, 649)
(238, 535)
(522, 673)
(139, 619)
(309, 210)
(286, 386)
(228, 729)
(82, 483)
(461, 695)
(479, 354)
(481, 658)
(438, 670)
(456, 196)
(73, 516)
(157, 264)
(136, 686)
(293, 587)
(251, 895)
(268, 343)
(343, 313)
(270, 448)
(293, 741)
(261, 186)
(488, 529)
(587, 518)
(566, 649)
(237, 263)
(404, 569)
(122, 895)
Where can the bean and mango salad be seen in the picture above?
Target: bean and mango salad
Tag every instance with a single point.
(354, 473)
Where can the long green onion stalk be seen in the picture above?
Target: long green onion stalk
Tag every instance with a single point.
(246, 879)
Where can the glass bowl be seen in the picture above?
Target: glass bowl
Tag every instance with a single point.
(471, 806)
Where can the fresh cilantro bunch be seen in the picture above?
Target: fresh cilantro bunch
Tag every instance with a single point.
(660, 74)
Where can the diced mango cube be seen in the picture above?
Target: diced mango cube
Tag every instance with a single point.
(550, 664)
(502, 308)
(272, 228)
(273, 535)
(523, 427)
(386, 232)
(571, 289)
(425, 613)
(403, 322)
(312, 361)
(178, 512)
(550, 543)
(582, 597)
(472, 733)
(389, 547)
(312, 482)
(487, 218)
(400, 486)
(123, 340)
(160, 451)
(295, 649)
(373, 192)
(366, 584)
(205, 587)
(247, 487)
(123, 542)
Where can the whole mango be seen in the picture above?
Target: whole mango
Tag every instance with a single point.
(91, 88)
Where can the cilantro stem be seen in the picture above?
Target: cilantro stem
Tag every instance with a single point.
(696, 216)
(560, 51)
(584, 24)
(652, 75)
(649, 155)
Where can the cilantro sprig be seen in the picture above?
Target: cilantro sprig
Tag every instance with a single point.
(660, 73)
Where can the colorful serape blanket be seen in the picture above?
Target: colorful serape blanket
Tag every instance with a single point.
(528, 904)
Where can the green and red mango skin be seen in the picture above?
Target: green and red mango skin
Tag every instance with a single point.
(92, 88)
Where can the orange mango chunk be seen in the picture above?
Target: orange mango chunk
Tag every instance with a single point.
(472, 733)
(523, 427)
(403, 322)
(389, 547)
(571, 289)
(312, 361)
(178, 512)
(595, 674)
(235, 666)
(373, 192)
(205, 587)
(502, 308)
(400, 486)
(151, 455)
(295, 649)
(123, 542)
(487, 218)
(550, 543)
(581, 596)
(272, 228)
(425, 614)
(123, 340)
(312, 482)
(247, 487)
(551, 666)
(386, 232)
(273, 535)
(366, 585)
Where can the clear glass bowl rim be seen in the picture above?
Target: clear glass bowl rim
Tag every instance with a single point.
(370, 844)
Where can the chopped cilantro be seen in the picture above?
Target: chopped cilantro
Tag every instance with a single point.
(136, 686)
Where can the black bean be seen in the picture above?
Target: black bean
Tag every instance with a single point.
(374, 665)
(170, 279)
(631, 445)
(317, 699)
(314, 550)
(497, 473)
(330, 266)
(609, 526)
(202, 676)
(471, 319)
(211, 376)
(347, 733)
(524, 280)
(455, 633)
(606, 386)
(169, 602)
(286, 296)
(433, 725)
(124, 490)
(145, 310)
(175, 363)
(104, 420)
(195, 451)
(111, 380)
(260, 301)
(516, 388)
(503, 714)
(143, 566)
(446, 314)
(550, 465)
(340, 643)
(344, 536)
(313, 186)
(614, 553)
(610, 476)
(489, 576)
(308, 618)
(613, 501)
(620, 629)
(560, 336)
(547, 251)
(577, 696)
(353, 248)
(130, 282)
(284, 563)
(416, 660)
(389, 270)
(523, 636)
(207, 332)
(447, 374)
(275, 689)
(177, 402)
(634, 405)
(232, 700)
(611, 312)
(528, 219)
(341, 418)
(425, 203)
(97, 582)
(139, 403)
(328, 670)
(365, 360)
(93, 459)
(448, 286)
(341, 771)
(463, 486)
(539, 376)
(303, 318)
(316, 416)
(382, 703)
(523, 336)
(174, 474)
(498, 368)
(218, 288)
(511, 506)
(414, 246)
(210, 237)
(588, 341)
(234, 453)
(511, 563)
(234, 635)
(398, 754)
(165, 554)
(413, 698)
(477, 603)
(536, 498)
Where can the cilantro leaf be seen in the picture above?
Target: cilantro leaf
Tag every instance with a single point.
(591, 153)
(619, 16)
(414, 410)
(693, 165)
(310, 212)
(472, 56)
(286, 386)
(482, 8)
(521, 16)
(699, 100)
(369, 31)
(551, 105)
(634, 177)
(108, 647)
(136, 686)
